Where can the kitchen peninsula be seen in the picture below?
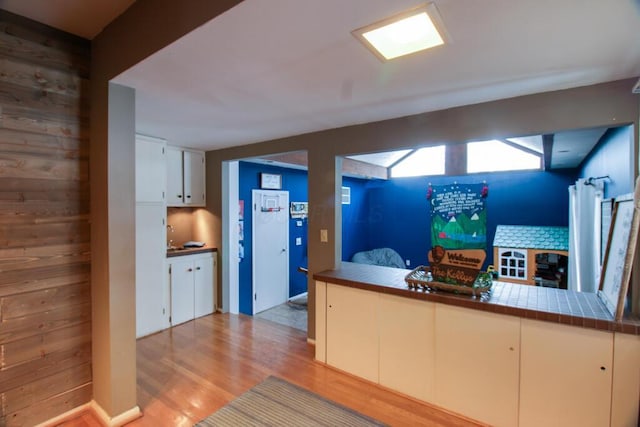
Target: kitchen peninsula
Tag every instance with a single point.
(519, 355)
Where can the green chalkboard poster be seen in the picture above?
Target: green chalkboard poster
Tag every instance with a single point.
(458, 216)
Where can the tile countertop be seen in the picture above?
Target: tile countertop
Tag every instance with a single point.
(189, 251)
(531, 302)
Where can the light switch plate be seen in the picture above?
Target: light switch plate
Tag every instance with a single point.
(298, 223)
(298, 241)
(324, 235)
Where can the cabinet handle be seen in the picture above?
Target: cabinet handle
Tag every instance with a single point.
(602, 368)
(188, 197)
(191, 269)
(197, 268)
(179, 196)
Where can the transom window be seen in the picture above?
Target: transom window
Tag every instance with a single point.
(425, 161)
(494, 156)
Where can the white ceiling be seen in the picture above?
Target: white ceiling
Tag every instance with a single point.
(269, 69)
(272, 69)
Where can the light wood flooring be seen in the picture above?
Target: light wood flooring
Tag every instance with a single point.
(188, 372)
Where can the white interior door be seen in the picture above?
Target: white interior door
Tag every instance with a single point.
(270, 248)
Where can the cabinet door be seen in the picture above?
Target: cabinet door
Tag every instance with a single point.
(151, 170)
(194, 178)
(626, 380)
(152, 312)
(175, 192)
(407, 345)
(182, 291)
(352, 331)
(565, 375)
(204, 285)
(477, 362)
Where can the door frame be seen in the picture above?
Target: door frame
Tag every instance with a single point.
(254, 202)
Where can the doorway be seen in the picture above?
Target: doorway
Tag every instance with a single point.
(270, 248)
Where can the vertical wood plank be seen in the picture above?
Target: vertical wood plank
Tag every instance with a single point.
(45, 289)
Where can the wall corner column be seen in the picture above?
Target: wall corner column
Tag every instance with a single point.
(112, 174)
(325, 182)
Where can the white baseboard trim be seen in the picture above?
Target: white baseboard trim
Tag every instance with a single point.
(118, 420)
(298, 296)
(70, 414)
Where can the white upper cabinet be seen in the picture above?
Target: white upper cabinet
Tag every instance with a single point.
(151, 173)
(186, 177)
(194, 178)
(175, 192)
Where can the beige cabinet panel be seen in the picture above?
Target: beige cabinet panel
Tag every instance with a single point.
(407, 345)
(477, 361)
(321, 321)
(352, 331)
(565, 375)
(626, 380)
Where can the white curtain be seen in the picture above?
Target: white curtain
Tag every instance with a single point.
(584, 235)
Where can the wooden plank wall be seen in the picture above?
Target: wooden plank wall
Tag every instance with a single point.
(45, 289)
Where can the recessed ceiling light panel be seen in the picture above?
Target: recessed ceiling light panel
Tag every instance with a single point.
(412, 31)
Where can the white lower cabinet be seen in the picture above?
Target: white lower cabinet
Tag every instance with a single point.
(565, 375)
(477, 363)
(192, 283)
(407, 344)
(352, 331)
(203, 284)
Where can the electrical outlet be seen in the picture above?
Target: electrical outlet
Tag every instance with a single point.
(298, 241)
(324, 235)
(298, 223)
(408, 262)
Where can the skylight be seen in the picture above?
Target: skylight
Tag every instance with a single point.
(406, 33)
(425, 161)
(494, 156)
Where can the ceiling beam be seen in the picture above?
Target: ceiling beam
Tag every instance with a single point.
(298, 158)
(363, 169)
(349, 166)
(547, 149)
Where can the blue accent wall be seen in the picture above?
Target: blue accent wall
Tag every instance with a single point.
(395, 213)
(295, 182)
(355, 218)
(612, 156)
(400, 219)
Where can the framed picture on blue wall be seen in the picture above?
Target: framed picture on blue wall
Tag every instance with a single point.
(270, 181)
(299, 209)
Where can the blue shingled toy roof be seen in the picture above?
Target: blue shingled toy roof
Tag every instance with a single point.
(532, 237)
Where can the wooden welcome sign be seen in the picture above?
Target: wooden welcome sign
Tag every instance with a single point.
(458, 267)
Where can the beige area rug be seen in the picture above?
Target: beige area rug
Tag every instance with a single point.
(275, 402)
